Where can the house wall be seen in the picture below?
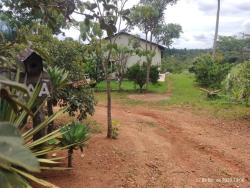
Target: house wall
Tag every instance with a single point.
(123, 40)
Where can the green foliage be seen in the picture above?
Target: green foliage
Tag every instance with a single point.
(68, 55)
(154, 74)
(167, 32)
(142, 14)
(6, 53)
(106, 14)
(172, 65)
(237, 83)
(19, 153)
(59, 80)
(80, 101)
(12, 180)
(12, 150)
(129, 86)
(179, 60)
(149, 17)
(74, 134)
(184, 94)
(93, 66)
(137, 74)
(234, 48)
(66, 62)
(208, 72)
(52, 13)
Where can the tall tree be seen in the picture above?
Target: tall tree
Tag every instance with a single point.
(104, 16)
(149, 17)
(216, 29)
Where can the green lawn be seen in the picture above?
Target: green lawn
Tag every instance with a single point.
(128, 86)
(185, 93)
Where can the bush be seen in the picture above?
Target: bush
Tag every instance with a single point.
(137, 74)
(174, 65)
(154, 74)
(237, 83)
(209, 73)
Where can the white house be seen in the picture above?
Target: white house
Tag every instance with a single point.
(124, 39)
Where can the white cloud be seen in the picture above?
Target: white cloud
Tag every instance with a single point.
(197, 18)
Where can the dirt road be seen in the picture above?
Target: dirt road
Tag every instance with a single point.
(163, 149)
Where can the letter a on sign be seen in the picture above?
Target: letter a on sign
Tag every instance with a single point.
(44, 90)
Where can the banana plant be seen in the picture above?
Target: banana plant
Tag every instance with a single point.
(75, 135)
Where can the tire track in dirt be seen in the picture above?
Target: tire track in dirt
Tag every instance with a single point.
(190, 141)
(161, 149)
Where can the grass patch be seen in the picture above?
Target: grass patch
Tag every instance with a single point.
(185, 92)
(129, 86)
(120, 97)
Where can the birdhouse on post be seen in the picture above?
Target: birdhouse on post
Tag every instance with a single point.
(32, 75)
(33, 62)
(33, 72)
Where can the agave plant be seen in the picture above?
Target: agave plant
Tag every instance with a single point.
(20, 155)
(75, 135)
(59, 79)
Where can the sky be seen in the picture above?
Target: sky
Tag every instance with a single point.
(197, 18)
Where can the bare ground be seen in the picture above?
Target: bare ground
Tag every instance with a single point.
(162, 149)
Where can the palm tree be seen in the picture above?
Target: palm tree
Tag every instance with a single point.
(216, 29)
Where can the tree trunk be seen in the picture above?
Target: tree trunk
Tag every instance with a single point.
(120, 84)
(50, 113)
(141, 89)
(70, 157)
(149, 62)
(216, 30)
(109, 118)
(148, 76)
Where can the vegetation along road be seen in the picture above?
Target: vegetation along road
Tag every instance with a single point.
(159, 146)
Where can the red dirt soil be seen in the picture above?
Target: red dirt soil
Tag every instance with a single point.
(162, 149)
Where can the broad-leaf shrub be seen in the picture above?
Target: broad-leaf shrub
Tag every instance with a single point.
(137, 74)
(209, 73)
(237, 83)
(154, 74)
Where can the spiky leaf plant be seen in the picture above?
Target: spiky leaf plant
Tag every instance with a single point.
(20, 156)
(75, 135)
